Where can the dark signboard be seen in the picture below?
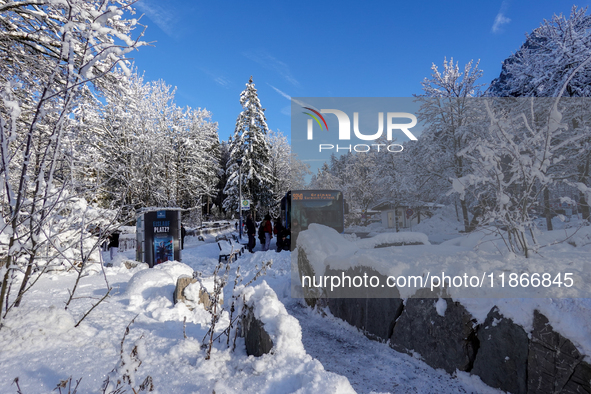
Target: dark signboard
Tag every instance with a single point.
(161, 236)
(315, 195)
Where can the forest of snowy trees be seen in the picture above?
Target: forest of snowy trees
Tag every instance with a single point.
(85, 141)
(503, 154)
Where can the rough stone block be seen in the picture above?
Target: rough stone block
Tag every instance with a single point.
(501, 361)
(129, 264)
(580, 381)
(447, 342)
(311, 294)
(374, 316)
(257, 340)
(554, 363)
(179, 292)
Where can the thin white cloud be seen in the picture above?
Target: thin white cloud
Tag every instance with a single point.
(222, 81)
(164, 18)
(500, 19)
(271, 63)
(287, 96)
(218, 78)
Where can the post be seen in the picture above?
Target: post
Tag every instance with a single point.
(239, 162)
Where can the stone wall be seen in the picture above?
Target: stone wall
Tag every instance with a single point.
(498, 350)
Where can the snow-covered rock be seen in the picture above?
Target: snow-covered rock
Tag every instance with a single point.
(287, 359)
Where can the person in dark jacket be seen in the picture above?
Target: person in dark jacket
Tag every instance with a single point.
(183, 233)
(283, 238)
(114, 244)
(251, 231)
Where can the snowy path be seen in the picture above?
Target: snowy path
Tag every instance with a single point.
(370, 366)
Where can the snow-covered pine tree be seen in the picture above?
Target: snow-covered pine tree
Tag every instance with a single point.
(280, 154)
(222, 175)
(249, 143)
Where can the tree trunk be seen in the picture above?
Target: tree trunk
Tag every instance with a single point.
(465, 215)
(584, 207)
(583, 175)
(547, 212)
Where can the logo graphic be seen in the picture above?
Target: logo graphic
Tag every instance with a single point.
(345, 124)
(315, 118)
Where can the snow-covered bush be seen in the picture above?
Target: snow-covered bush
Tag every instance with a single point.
(223, 274)
(124, 373)
(517, 156)
(56, 48)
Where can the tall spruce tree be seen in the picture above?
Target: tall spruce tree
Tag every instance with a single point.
(249, 143)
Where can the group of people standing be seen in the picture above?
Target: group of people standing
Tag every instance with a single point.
(266, 231)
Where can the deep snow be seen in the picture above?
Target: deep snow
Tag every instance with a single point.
(41, 346)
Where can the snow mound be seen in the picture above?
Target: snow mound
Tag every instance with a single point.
(175, 269)
(325, 247)
(443, 225)
(288, 368)
(30, 332)
(153, 288)
(320, 242)
(376, 227)
(582, 237)
(284, 330)
(441, 306)
(150, 291)
(393, 238)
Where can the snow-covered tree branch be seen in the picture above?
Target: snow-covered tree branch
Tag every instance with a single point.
(50, 50)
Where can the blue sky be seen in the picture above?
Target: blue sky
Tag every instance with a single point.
(209, 50)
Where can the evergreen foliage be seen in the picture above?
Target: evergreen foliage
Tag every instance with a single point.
(249, 144)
